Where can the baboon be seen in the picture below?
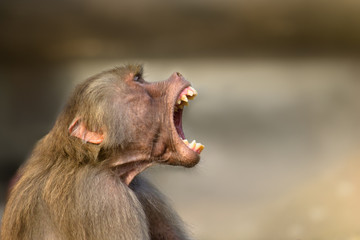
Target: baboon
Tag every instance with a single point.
(81, 180)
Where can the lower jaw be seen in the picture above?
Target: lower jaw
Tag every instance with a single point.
(184, 156)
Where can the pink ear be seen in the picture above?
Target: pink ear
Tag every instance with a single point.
(78, 129)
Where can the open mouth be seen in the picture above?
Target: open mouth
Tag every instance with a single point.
(187, 94)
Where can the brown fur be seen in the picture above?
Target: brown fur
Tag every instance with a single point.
(71, 188)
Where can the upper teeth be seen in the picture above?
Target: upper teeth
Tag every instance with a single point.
(184, 98)
(187, 94)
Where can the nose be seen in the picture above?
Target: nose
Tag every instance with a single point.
(176, 77)
(170, 86)
(178, 74)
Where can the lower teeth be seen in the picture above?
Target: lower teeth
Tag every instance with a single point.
(197, 147)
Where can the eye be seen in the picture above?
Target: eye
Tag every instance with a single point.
(137, 78)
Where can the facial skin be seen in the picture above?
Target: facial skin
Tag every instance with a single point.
(81, 179)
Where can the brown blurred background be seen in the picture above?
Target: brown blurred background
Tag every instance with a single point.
(278, 107)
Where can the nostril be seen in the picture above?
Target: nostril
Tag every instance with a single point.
(177, 77)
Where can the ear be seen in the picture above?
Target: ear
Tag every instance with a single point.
(79, 130)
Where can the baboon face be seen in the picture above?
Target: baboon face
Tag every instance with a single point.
(141, 121)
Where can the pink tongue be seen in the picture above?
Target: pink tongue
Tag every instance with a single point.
(178, 123)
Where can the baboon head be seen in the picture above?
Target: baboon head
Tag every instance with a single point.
(132, 122)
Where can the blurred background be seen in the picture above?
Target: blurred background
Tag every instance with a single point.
(278, 107)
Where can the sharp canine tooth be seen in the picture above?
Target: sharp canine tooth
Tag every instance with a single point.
(192, 144)
(190, 92)
(186, 141)
(184, 98)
